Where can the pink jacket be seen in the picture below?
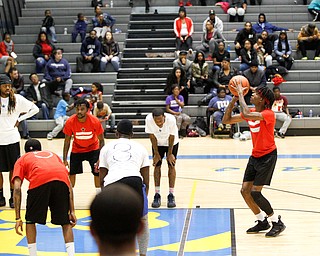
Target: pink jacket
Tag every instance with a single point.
(177, 26)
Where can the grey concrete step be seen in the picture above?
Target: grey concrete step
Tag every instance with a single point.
(300, 86)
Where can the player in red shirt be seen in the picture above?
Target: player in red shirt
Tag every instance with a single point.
(262, 162)
(88, 139)
(49, 187)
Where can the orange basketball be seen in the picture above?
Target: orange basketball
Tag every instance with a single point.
(239, 80)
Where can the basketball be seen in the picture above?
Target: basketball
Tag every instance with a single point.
(239, 80)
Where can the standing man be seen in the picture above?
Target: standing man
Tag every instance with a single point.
(280, 108)
(125, 161)
(262, 162)
(14, 109)
(163, 133)
(88, 139)
(49, 187)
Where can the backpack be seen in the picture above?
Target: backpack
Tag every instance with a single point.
(201, 123)
(272, 70)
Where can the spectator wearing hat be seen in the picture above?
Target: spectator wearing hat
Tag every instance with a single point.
(237, 8)
(309, 39)
(184, 64)
(216, 21)
(283, 51)
(314, 9)
(183, 29)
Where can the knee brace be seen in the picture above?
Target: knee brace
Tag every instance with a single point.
(262, 202)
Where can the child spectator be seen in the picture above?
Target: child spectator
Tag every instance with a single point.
(174, 105)
(110, 51)
(104, 113)
(80, 27)
(309, 39)
(48, 26)
(42, 51)
(314, 9)
(183, 29)
(6, 49)
(60, 116)
(96, 91)
(283, 50)
(258, 46)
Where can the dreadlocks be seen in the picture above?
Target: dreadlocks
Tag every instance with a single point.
(12, 102)
(266, 94)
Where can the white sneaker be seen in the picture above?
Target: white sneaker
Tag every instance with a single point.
(49, 137)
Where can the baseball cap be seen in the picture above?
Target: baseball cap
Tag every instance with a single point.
(212, 12)
(125, 127)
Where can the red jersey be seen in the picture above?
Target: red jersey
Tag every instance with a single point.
(262, 133)
(40, 167)
(85, 135)
(280, 104)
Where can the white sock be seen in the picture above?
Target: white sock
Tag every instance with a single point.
(171, 190)
(98, 190)
(32, 249)
(70, 248)
(274, 218)
(157, 189)
(260, 216)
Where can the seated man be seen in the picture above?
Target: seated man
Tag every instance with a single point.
(104, 113)
(17, 81)
(217, 107)
(280, 108)
(309, 39)
(90, 51)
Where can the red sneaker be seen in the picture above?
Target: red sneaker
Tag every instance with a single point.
(189, 3)
(181, 3)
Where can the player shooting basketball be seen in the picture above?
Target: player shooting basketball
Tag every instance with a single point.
(261, 164)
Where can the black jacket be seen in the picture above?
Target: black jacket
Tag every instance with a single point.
(245, 57)
(37, 50)
(110, 49)
(44, 92)
(243, 35)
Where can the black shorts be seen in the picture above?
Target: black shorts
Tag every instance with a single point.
(76, 160)
(9, 154)
(54, 194)
(163, 150)
(260, 169)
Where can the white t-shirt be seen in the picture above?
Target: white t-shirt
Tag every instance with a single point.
(162, 134)
(9, 134)
(123, 158)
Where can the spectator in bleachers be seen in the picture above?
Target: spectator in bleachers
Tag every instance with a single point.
(245, 34)
(80, 27)
(218, 56)
(58, 73)
(178, 76)
(184, 64)
(283, 51)
(90, 51)
(60, 116)
(256, 77)
(218, 105)
(101, 27)
(309, 39)
(237, 8)
(183, 29)
(110, 53)
(6, 48)
(96, 91)
(280, 108)
(95, 3)
(216, 21)
(210, 39)
(48, 26)
(40, 95)
(259, 48)
(188, 3)
(17, 81)
(174, 105)
(314, 9)
(200, 73)
(109, 21)
(42, 51)
(262, 25)
(147, 5)
(104, 113)
(248, 54)
(253, 2)
(268, 46)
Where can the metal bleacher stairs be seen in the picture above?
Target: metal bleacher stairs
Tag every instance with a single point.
(147, 44)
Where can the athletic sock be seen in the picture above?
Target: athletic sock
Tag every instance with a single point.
(1, 192)
(274, 218)
(98, 190)
(70, 248)
(32, 249)
(171, 190)
(157, 188)
(260, 216)
(11, 193)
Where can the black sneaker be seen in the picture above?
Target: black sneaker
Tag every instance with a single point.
(262, 225)
(2, 201)
(281, 135)
(277, 228)
(156, 201)
(171, 202)
(11, 203)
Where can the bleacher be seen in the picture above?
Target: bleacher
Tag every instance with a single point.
(147, 43)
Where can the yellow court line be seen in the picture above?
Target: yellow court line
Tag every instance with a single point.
(193, 192)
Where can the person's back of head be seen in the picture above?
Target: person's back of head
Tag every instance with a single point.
(116, 217)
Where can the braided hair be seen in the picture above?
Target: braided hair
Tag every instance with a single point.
(12, 102)
(266, 94)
